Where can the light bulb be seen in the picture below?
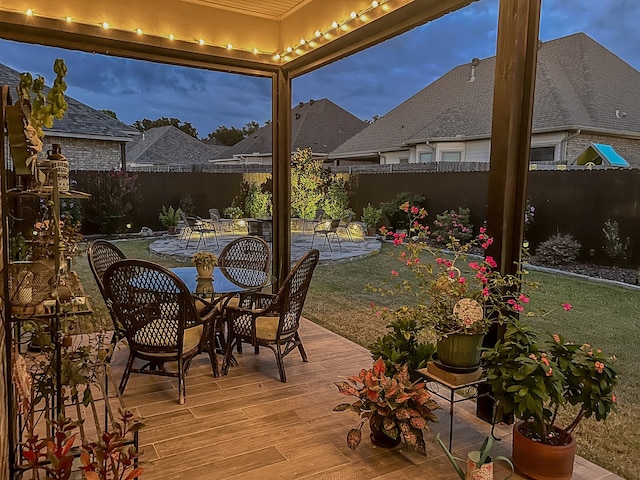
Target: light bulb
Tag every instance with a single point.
(171, 37)
(139, 31)
(68, 19)
(255, 50)
(318, 33)
(374, 4)
(289, 49)
(105, 25)
(201, 41)
(29, 12)
(302, 41)
(229, 46)
(353, 14)
(276, 56)
(334, 24)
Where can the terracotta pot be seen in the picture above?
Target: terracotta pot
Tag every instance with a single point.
(171, 229)
(460, 350)
(378, 438)
(542, 461)
(204, 271)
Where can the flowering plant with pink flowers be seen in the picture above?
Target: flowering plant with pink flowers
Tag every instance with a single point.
(534, 379)
(453, 293)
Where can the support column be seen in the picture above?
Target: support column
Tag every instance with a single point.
(281, 165)
(516, 57)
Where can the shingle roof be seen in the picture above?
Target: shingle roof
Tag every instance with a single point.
(169, 146)
(320, 124)
(80, 119)
(579, 84)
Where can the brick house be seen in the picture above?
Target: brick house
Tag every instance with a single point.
(89, 139)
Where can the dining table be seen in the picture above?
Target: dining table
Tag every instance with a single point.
(225, 283)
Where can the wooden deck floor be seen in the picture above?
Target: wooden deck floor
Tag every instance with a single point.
(250, 425)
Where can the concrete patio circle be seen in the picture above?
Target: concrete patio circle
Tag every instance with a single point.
(352, 249)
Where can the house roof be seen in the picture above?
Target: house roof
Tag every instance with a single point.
(169, 146)
(80, 120)
(579, 85)
(319, 124)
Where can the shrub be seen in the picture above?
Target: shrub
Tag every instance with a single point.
(614, 247)
(371, 215)
(336, 199)
(308, 184)
(397, 217)
(258, 202)
(187, 206)
(115, 195)
(401, 345)
(558, 250)
(452, 224)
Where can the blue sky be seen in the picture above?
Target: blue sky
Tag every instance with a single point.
(366, 84)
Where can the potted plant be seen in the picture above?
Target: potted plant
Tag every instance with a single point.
(534, 379)
(204, 262)
(169, 218)
(395, 407)
(235, 213)
(371, 216)
(458, 299)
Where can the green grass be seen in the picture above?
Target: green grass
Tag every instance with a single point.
(605, 316)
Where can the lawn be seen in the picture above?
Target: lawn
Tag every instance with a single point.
(607, 317)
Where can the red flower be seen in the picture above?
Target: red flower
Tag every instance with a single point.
(567, 306)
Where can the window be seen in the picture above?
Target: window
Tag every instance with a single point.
(451, 156)
(404, 160)
(426, 157)
(542, 154)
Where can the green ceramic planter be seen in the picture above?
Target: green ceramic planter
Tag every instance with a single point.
(460, 351)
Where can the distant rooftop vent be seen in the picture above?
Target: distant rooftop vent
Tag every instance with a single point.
(297, 116)
(301, 104)
(312, 101)
(474, 63)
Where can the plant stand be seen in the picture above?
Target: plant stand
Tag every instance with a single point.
(466, 383)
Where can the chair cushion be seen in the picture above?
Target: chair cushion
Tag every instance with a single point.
(192, 338)
(267, 327)
(233, 302)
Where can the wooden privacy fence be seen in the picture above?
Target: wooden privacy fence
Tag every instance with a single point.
(572, 201)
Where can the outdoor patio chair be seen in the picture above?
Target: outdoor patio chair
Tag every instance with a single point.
(272, 320)
(160, 319)
(327, 228)
(101, 255)
(200, 227)
(344, 225)
(222, 224)
(316, 220)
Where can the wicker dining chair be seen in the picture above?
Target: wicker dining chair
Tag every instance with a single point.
(160, 320)
(101, 255)
(248, 252)
(273, 319)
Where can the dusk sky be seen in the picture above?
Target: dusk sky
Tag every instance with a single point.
(366, 84)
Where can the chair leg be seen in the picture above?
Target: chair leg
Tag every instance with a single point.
(127, 372)
(327, 240)
(338, 238)
(256, 349)
(313, 237)
(182, 393)
(280, 361)
(303, 354)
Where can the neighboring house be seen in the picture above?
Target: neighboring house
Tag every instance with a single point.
(318, 124)
(169, 148)
(89, 139)
(584, 95)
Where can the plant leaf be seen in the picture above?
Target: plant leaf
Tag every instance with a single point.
(353, 438)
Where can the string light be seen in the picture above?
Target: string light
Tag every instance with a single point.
(305, 44)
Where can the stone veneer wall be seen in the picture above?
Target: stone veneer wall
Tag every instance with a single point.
(628, 148)
(87, 154)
